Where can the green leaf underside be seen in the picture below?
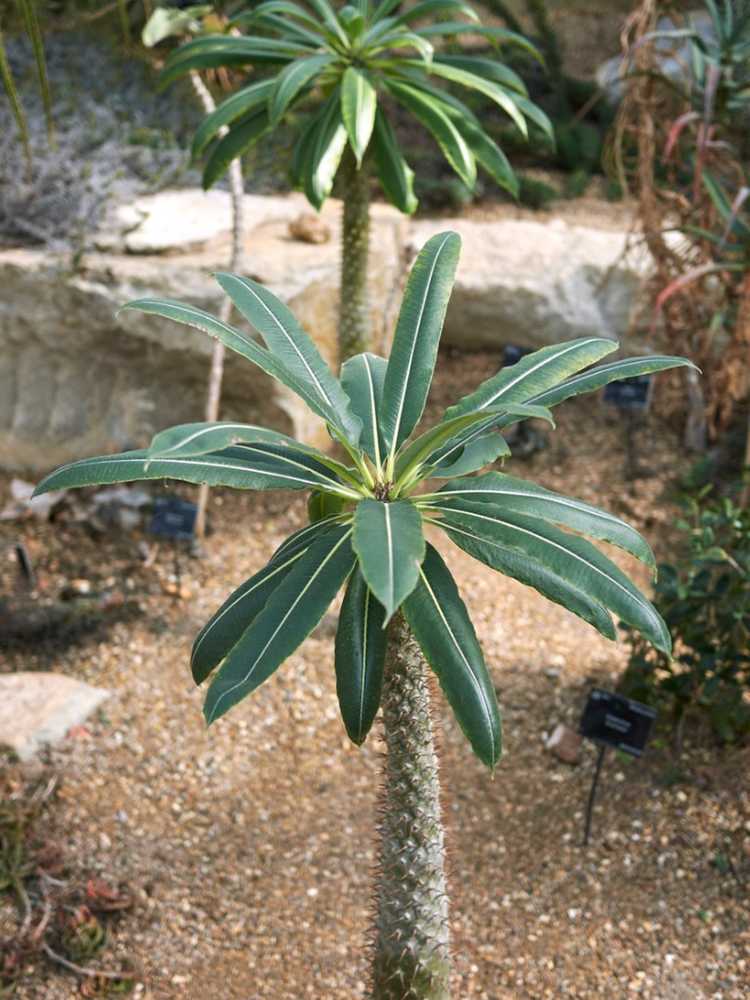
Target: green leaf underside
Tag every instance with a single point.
(289, 343)
(291, 81)
(394, 173)
(360, 652)
(415, 342)
(241, 344)
(235, 143)
(390, 547)
(447, 437)
(473, 455)
(568, 556)
(245, 468)
(323, 149)
(504, 492)
(362, 379)
(442, 627)
(533, 374)
(290, 614)
(598, 377)
(430, 113)
(518, 566)
(358, 105)
(237, 613)
(234, 107)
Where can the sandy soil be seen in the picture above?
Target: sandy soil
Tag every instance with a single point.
(249, 846)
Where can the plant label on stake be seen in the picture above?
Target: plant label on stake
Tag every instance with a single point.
(611, 720)
(174, 519)
(632, 394)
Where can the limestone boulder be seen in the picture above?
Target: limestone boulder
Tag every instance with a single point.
(76, 379)
(534, 283)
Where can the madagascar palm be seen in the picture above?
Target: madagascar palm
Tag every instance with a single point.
(367, 534)
(341, 64)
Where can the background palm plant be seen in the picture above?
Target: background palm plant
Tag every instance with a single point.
(349, 66)
(368, 521)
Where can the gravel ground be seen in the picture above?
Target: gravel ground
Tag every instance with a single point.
(249, 846)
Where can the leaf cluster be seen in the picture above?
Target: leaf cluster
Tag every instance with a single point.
(370, 514)
(346, 66)
(705, 601)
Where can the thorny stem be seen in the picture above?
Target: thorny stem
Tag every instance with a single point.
(412, 943)
(354, 310)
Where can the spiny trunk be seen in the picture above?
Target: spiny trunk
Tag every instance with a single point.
(412, 944)
(354, 310)
(216, 374)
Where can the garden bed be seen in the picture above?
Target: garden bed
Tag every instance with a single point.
(249, 847)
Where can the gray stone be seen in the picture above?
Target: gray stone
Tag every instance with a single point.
(77, 380)
(565, 744)
(536, 283)
(40, 708)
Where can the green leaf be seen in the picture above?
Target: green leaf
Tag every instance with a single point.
(474, 454)
(394, 173)
(360, 652)
(362, 379)
(289, 343)
(250, 467)
(241, 608)
(523, 381)
(240, 137)
(285, 8)
(598, 377)
(241, 344)
(567, 556)
(457, 432)
(494, 91)
(290, 614)
(432, 115)
(501, 35)
(429, 8)
(323, 151)
(358, 105)
(293, 79)
(234, 107)
(321, 506)
(212, 51)
(486, 151)
(519, 566)
(441, 624)
(503, 493)
(415, 343)
(490, 69)
(389, 544)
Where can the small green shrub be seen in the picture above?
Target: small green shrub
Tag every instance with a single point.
(536, 194)
(705, 601)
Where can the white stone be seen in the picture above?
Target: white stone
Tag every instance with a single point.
(40, 708)
(536, 283)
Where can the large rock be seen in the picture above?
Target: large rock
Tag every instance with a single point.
(40, 708)
(535, 283)
(75, 379)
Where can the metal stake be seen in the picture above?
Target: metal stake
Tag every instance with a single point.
(592, 794)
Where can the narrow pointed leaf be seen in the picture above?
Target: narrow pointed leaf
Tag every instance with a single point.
(358, 105)
(240, 137)
(360, 653)
(390, 547)
(288, 342)
(415, 343)
(503, 492)
(431, 114)
(490, 69)
(505, 558)
(446, 437)
(429, 8)
(488, 154)
(241, 608)
(496, 34)
(362, 380)
(475, 454)
(569, 557)
(441, 624)
(394, 173)
(291, 81)
(237, 106)
(598, 377)
(523, 381)
(245, 468)
(290, 614)
(494, 91)
(212, 51)
(241, 344)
